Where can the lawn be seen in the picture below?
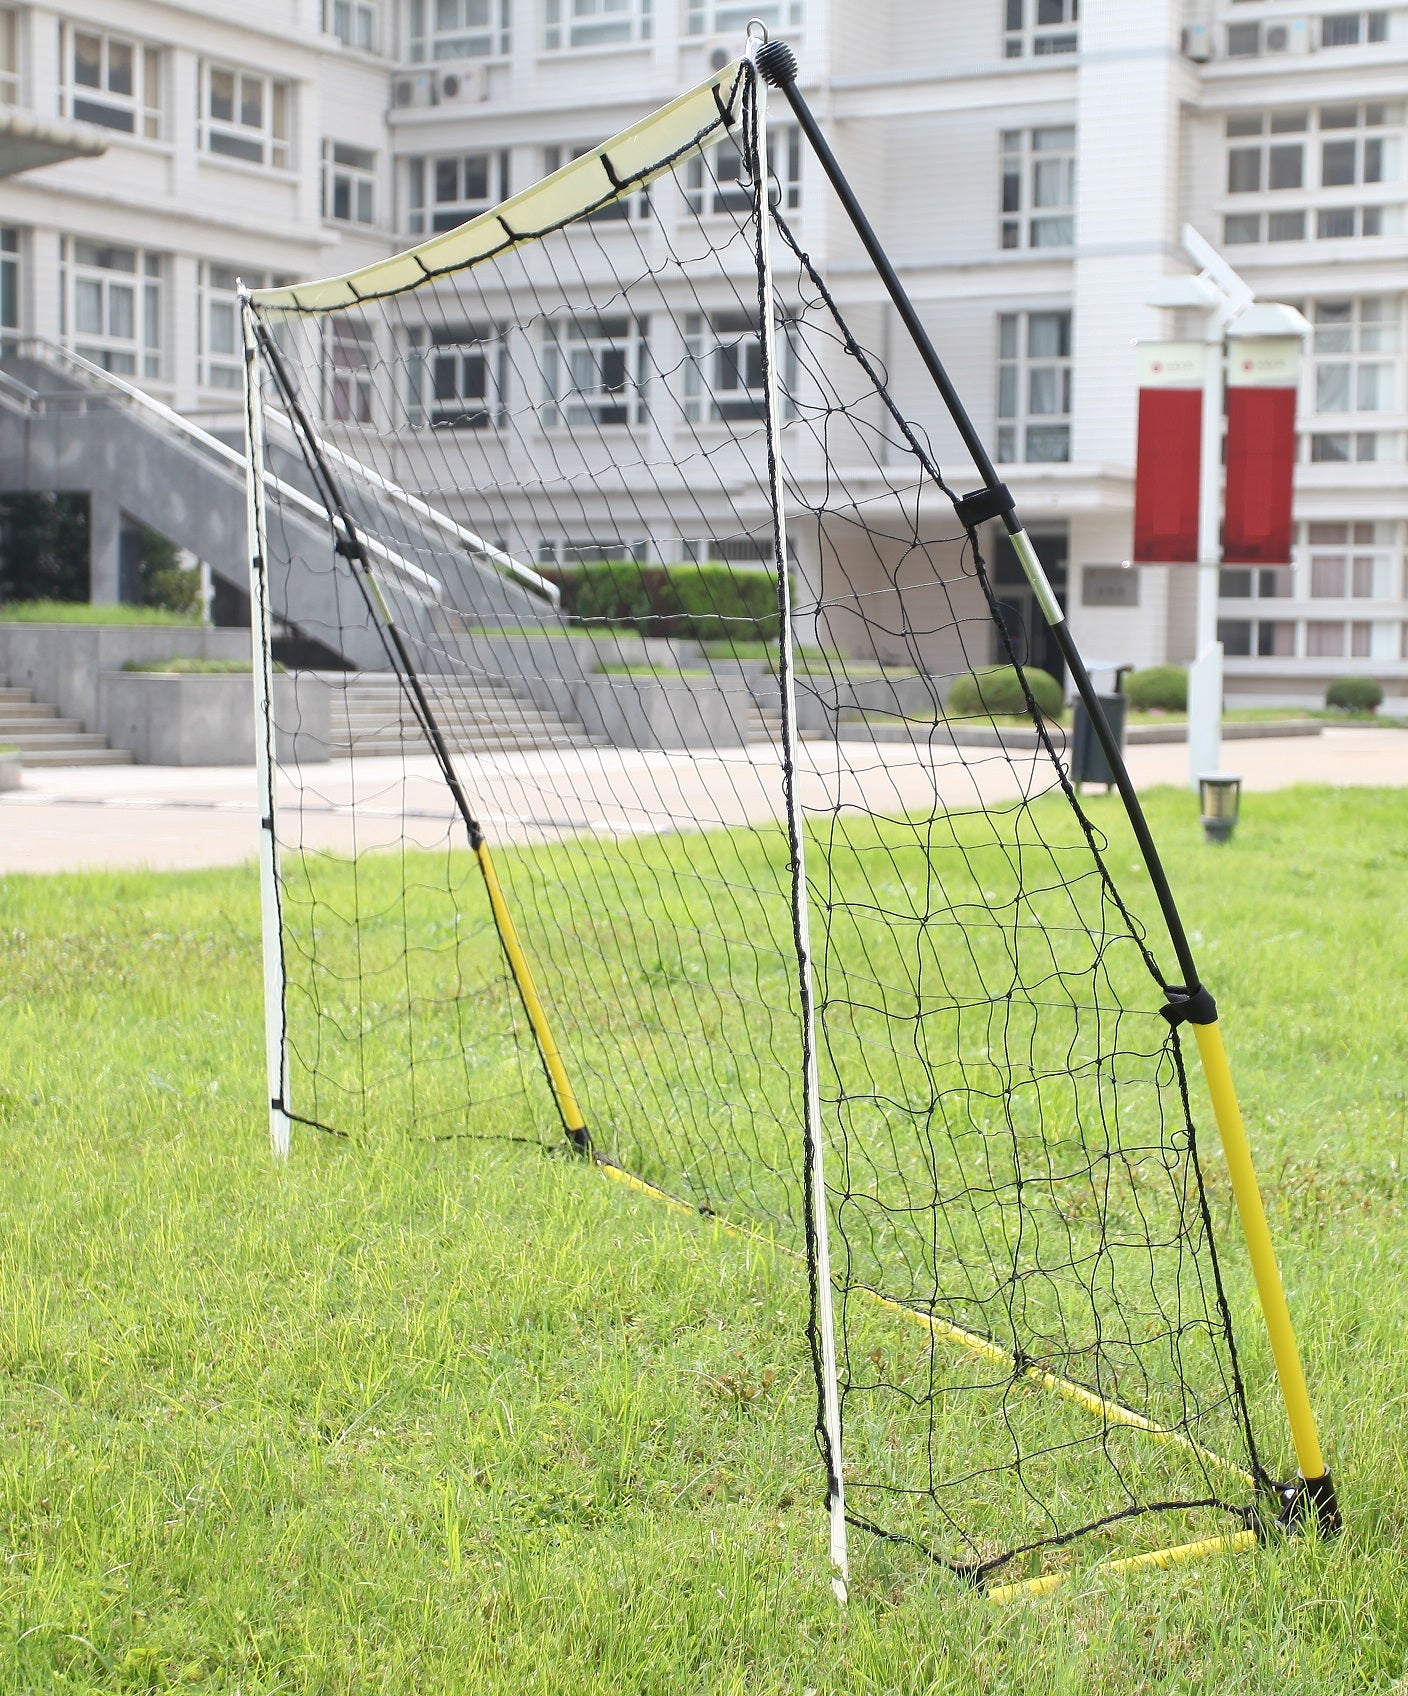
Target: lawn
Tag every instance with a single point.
(461, 1415)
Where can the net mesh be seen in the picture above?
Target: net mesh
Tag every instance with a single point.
(1033, 1337)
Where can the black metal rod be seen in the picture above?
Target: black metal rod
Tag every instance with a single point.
(778, 64)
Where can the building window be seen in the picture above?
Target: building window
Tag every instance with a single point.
(9, 286)
(1350, 561)
(111, 81)
(594, 372)
(723, 375)
(1266, 583)
(1034, 387)
(457, 29)
(1035, 28)
(350, 352)
(457, 377)
(596, 23)
(349, 183)
(636, 204)
(246, 115)
(719, 183)
(353, 22)
(110, 306)
(1039, 187)
(1354, 354)
(443, 192)
(1350, 29)
(1242, 637)
(1360, 144)
(218, 346)
(9, 57)
(729, 17)
(1274, 161)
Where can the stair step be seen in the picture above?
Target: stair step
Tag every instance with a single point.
(32, 759)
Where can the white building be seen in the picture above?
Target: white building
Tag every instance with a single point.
(1029, 164)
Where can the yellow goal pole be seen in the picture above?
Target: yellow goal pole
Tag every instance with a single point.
(1317, 1492)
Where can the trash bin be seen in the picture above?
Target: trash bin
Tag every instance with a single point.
(1088, 762)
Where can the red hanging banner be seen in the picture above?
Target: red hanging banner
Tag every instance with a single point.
(1166, 476)
(1262, 376)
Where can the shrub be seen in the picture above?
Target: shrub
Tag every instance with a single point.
(996, 689)
(187, 665)
(1355, 694)
(704, 602)
(1161, 687)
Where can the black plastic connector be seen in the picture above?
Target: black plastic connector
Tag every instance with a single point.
(1310, 1504)
(1190, 1006)
(581, 1139)
(777, 63)
(983, 504)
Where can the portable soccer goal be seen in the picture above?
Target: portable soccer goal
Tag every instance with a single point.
(622, 792)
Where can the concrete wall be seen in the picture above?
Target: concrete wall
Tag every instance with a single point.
(170, 719)
(63, 663)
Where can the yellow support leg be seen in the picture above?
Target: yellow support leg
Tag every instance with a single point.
(573, 1122)
(1289, 1371)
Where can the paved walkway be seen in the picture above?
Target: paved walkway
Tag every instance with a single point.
(67, 819)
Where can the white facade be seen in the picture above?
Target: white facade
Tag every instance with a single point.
(1029, 164)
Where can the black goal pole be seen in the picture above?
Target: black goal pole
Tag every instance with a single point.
(1311, 1501)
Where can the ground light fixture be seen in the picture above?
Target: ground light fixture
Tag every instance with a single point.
(1220, 796)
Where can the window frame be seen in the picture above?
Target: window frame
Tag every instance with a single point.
(356, 176)
(731, 17)
(571, 25)
(1017, 416)
(12, 282)
(1021, 164)
(356, 13)
(705, 182)
(565, 402)
(140, 352)
(1030, 32)
(425, 214)
(270, 151)
(427, 43)
(11, 83)
(138, 113)
(434, 350)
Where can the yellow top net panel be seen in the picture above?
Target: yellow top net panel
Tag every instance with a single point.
(631, 159)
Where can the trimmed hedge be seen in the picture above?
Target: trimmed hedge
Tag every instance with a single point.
(1158, 687)
(997, 689)
(707, 602)
(1355, 694)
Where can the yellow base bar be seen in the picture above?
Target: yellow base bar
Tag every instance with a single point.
(522, 975)
(1050, 1581)
(1259, 1250)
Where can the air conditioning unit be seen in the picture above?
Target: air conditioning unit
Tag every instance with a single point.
(1197, 43)
(418, 90)
(463, 86)
(1286, 35)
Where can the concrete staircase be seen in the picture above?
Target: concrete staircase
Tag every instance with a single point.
(45, 739)
(370, 715)
(765, 724)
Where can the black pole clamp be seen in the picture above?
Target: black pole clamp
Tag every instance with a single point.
(994, 501)
(1190, 1006)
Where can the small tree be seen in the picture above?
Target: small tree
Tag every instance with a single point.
(165, 581)
(44, 547)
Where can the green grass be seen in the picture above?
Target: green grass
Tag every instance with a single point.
(185, 665)
(463, 1416)
(84, 612)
